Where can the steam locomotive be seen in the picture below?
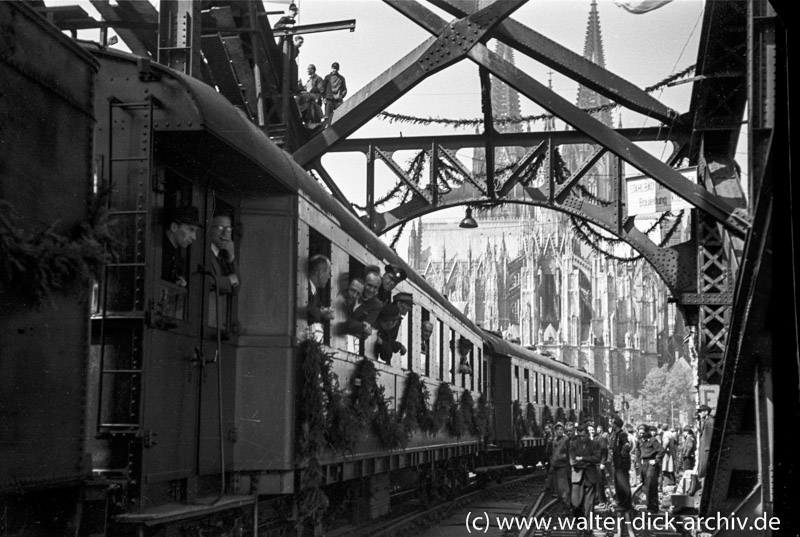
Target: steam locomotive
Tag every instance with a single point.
(133, 405)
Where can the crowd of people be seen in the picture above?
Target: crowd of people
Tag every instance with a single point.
(589, 467)
(317, 97)
(368, 303)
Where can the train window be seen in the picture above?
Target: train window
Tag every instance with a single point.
(558, 392)
(426, 330)
(515, 391)
(544, 389)
(550, 390)
(527, 379)
(318, 244)
(569, 396)
(181, 222)
(536, 387)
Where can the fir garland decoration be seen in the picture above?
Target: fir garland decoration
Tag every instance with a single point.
(583, 230)
(530, 418)
(560, 415)
(456, 425)
(312, 401)
(36, 264)
(311, 424)
(467, 406)
(414, 412)
(520, 427)
(547, 416)
(483, 417)
(519, 120)
(445, 401)
(387, 428)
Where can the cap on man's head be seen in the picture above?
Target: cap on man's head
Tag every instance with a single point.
(618, 421)
(559, 424)
(293, 7)
(186, 215)
(398, 274)
(688, 429)
(704, 407)
(335, 65)
(404, 297)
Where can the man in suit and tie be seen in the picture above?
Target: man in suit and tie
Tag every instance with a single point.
(223, 257)
(223, 265)
(319, 273)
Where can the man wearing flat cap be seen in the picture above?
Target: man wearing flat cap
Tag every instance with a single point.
(389, 281)
(559, 465)
(706, 430)
(388, 326)
(180, 232)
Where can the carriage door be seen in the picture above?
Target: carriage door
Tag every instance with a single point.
(175, 360)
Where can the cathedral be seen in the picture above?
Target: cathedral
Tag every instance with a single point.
(526, 273)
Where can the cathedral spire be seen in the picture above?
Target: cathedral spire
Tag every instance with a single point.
(593, 51)
(593, 46)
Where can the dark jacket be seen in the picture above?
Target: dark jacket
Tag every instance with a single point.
(222, 267)
(620, 448)
(589, 451)
(651, 449)
(704, 449)
(366, 312)
(315, 306)
(560, 457)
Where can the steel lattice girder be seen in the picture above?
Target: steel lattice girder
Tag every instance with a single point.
(575, 66)
(452, 44)
(721, 210)
(676, 267)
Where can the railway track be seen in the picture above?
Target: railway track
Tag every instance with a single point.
(511, 497)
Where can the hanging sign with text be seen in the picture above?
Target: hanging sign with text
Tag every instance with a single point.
(645, 196)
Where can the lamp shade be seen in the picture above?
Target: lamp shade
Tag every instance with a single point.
(468, 222)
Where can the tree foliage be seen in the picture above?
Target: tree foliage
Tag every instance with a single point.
(665, 392)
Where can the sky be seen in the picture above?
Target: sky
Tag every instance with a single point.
(644, 49)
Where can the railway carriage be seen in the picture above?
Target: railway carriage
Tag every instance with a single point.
(171, 407)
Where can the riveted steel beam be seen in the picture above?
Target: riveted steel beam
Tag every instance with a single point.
(667, 262)
(454, 162)
(516, 174)
(636, 156)
(575, 66)
(453, 42)
(507, 139)
(662, 173)
(562, 190)
(385, 157)
(331, 184)
(488, 129)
